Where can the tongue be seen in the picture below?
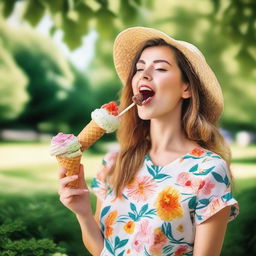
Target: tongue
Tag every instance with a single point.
(146, 94)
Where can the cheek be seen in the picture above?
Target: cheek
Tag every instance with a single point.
(134, 83)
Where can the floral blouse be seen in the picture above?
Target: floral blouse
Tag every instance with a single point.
(158, 211)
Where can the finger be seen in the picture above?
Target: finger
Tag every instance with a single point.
(62, 173)
(81, 180)
(81, 171)
(66, 180)
(74, 192)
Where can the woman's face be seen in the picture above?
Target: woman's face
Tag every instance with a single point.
(157, 70)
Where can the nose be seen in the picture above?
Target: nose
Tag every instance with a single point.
(146, 75)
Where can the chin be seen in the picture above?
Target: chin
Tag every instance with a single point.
(145, 116)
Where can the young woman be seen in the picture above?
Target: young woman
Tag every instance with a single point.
(167, 190)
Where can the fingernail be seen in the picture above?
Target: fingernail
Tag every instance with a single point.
(74, 176)
(85, 190)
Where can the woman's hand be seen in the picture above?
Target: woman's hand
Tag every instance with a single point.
(75, 199)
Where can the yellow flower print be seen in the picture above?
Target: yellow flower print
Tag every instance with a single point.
(129, 227)
(180, 228)
(167, 204)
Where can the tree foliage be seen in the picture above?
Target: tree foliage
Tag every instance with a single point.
(74, 17)
(13, 95)
(238, 24)
(50, 76)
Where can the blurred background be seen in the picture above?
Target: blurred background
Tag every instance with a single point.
(56, 67)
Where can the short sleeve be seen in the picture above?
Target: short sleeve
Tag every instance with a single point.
(214, 192)
(99, 187)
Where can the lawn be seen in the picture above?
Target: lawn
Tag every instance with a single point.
(28, 187)
(27, 168)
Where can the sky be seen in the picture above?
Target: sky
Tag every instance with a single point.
(80, 58)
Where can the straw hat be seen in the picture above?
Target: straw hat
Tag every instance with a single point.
(129, 41)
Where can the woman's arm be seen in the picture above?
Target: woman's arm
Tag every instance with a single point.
(210, 234)
(91, 234)
(93, 242)
(78, 201)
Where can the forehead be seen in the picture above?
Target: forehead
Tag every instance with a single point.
(157, 52)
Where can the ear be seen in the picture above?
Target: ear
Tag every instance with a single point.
(186, 91)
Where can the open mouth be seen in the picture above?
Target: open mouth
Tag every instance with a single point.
(147, 94)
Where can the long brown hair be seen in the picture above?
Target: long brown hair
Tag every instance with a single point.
(133, 133)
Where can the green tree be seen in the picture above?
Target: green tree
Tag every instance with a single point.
(74, 17)
(13, 83)
(50, 76)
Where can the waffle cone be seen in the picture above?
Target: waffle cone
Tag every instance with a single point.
(90, 134)
(72, 165)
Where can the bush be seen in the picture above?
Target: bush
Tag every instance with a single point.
(38, 225)
(241, 233)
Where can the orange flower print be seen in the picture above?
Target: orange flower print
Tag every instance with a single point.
(108, 231)
(167, 204)
(109, 222)
(128, 251)
(181, 250)
(206, 187)
(197, 152)
(141, 188)
(158, 242)
(129, 227)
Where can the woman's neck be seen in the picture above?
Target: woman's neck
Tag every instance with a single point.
(166, 136)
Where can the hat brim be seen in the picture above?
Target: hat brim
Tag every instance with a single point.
(129, 41)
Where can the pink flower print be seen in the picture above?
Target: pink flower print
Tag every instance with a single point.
(141, 188)
(188, 181)
(142, 237)
(184, 179)
(213, 207)
(101, 191)
(206, 186)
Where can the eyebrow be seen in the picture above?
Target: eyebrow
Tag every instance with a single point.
(155, 61)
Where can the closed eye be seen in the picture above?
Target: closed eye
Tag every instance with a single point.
(161, 69)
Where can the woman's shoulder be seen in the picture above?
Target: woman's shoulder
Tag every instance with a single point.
(210, 162)
(203, 153)
(110, 158)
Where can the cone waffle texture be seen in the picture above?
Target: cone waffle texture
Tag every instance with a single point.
(72, 165)
(91, 133)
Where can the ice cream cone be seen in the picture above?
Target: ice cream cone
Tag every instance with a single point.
(91, 133)
(71, 164)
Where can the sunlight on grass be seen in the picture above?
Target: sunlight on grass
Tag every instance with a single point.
(32, 170)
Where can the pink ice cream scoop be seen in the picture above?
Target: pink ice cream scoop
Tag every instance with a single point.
(66, 145)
